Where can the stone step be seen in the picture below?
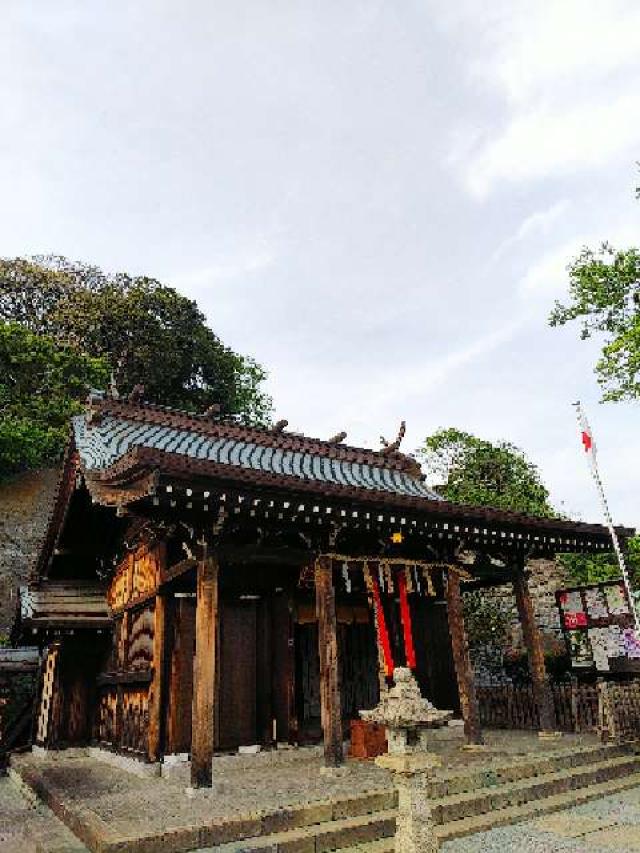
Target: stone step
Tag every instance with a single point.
(346, 834)
(522, 767)
(382, 845)
(533, 809)
(480, 801)
(33, 826)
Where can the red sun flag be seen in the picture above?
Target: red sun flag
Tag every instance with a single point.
(586, 434)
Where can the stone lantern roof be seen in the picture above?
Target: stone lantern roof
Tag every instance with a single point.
(404, 707)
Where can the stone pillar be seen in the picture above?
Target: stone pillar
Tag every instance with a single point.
(330, 704)
(462, 661)
(205, 665)
(415, 829)
(533, 641)
(408, 718)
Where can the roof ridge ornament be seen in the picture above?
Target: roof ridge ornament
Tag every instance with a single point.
(137, 394)
(391, 447)
(338, 438)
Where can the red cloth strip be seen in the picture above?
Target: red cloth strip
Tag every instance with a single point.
(383, 634)
(405, 614)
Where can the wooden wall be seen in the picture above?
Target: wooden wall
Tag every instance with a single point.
(122, 716)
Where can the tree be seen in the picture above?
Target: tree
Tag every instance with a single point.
(42, 383)
(593, 568)
(604, 288)
(471, 470)
(148, 333)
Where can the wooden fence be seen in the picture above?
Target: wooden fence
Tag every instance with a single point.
(619, 710)
(514, 707)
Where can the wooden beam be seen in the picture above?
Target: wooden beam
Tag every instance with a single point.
(462, 660)
(330, 709)
(157, 687)
(204, 672)
(533, 641)
(175, 571)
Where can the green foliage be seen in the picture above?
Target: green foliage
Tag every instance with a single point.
(471, 470)
(593, 568)
(487, 621)
(148, 333)
(604, 288)
(42, 383)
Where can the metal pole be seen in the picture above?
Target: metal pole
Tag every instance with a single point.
(609, 521)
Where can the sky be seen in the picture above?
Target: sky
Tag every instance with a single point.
(376, 200)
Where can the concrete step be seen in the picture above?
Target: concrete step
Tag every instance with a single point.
(480, 801)
(533, 809)
(521, 767)
(347, 834)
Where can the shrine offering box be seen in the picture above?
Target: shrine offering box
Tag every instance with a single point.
(368, 740)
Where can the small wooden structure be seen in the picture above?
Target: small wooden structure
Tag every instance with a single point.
(206, 585)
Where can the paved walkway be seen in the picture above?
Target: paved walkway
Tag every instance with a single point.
(27, 828)
(601, 826)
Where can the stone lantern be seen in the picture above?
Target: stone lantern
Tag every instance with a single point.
(408, 717)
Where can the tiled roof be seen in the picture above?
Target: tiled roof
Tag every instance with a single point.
(120, 428)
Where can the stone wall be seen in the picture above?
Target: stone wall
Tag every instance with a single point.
(546, 577)
(25, 505)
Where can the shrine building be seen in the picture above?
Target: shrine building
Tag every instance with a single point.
(206, 585)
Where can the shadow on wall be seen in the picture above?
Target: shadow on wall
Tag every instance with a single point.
(26, 502)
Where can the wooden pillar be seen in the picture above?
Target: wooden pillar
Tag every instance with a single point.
(50, 699)
(533, 641)
(204, 673)
(330, 705)
(462, 660)
(264, 667)
(181, 627)
(157, 686)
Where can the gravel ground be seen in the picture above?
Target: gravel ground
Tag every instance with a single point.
(601, 826)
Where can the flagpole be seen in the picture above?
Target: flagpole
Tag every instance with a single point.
(584, 424)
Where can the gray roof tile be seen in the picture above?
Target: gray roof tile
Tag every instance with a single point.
(103, 443)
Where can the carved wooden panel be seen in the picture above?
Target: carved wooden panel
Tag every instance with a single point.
(145, 572)
(135, 719)
(106, 723)
(136, 575)
(140, 648)
(119, 591)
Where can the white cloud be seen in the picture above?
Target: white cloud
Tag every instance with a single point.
(547, 278)
(539, 223)
(565, 76)
(542, 142)
(540, 47)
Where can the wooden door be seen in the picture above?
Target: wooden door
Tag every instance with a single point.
(435, 668)
(238, 671)
(181, 638)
